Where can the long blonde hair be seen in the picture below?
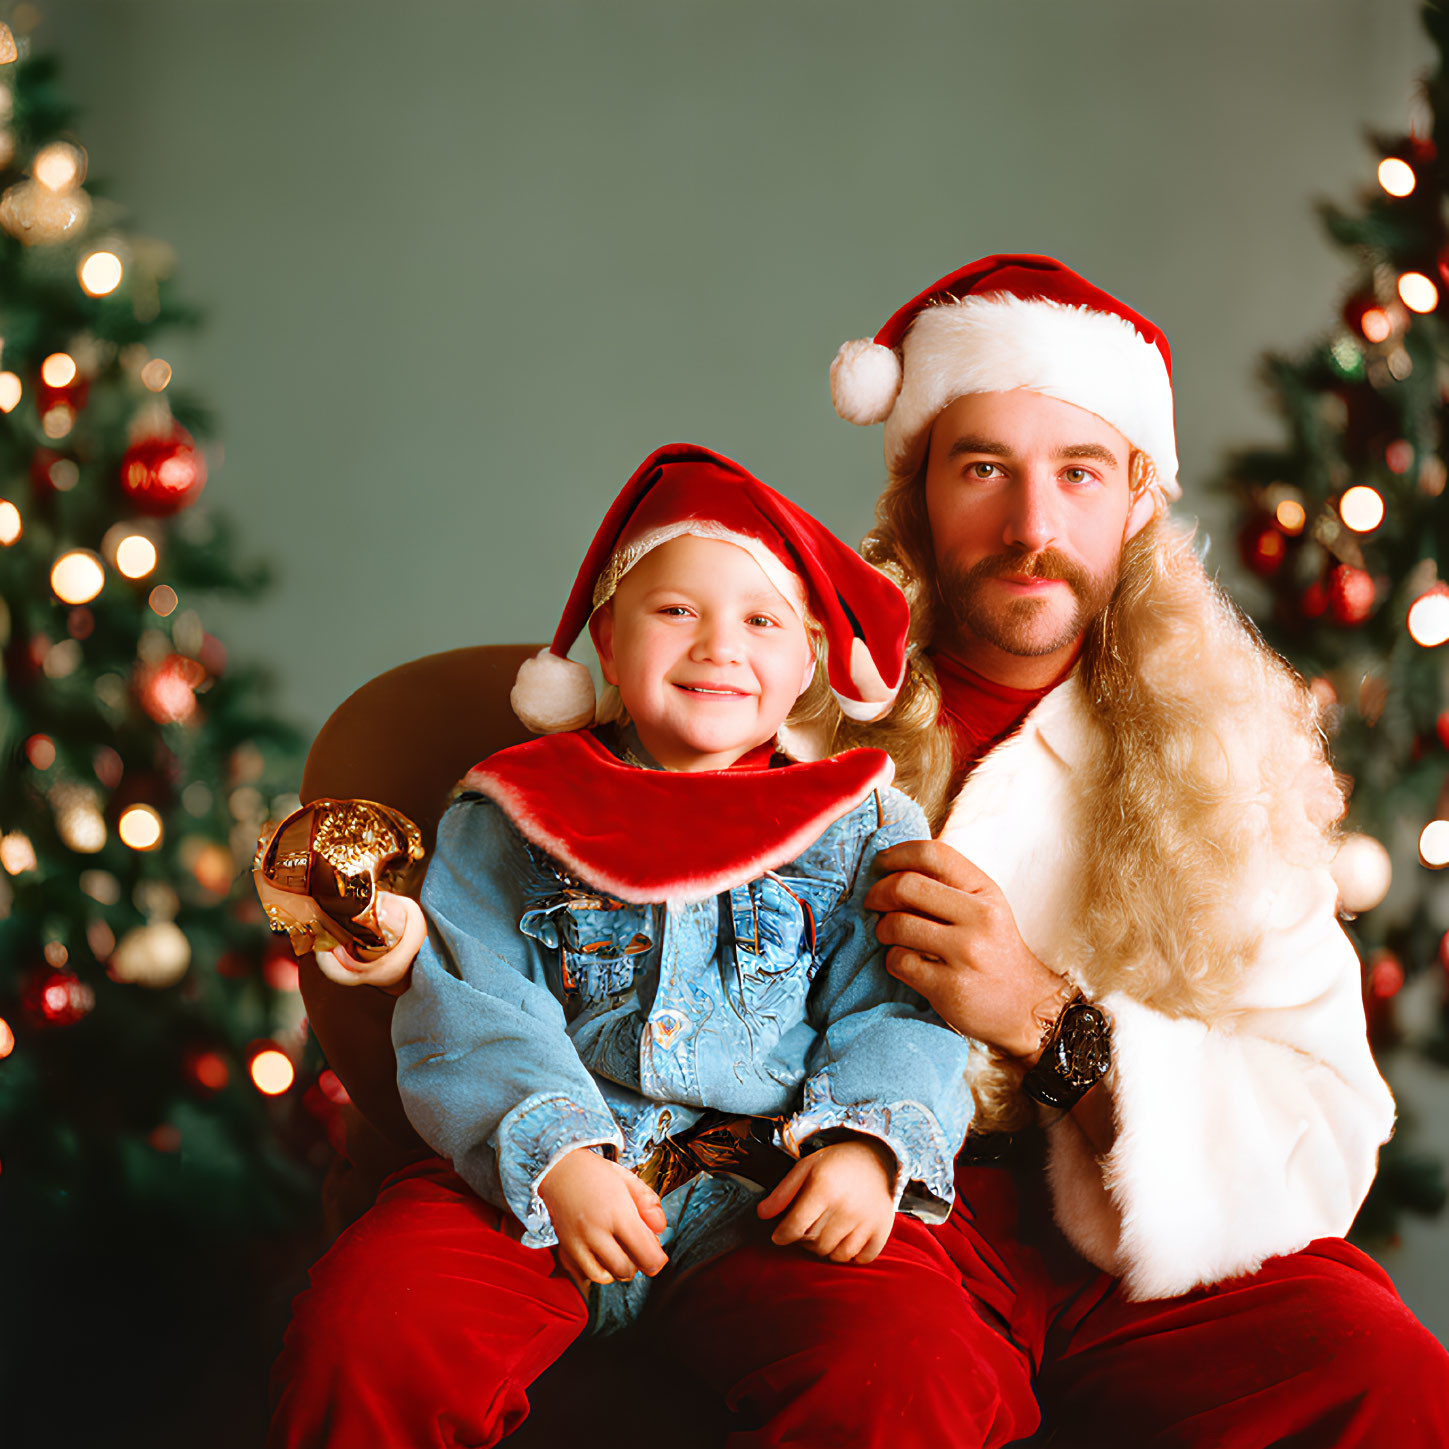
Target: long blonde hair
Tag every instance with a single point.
(900, 546)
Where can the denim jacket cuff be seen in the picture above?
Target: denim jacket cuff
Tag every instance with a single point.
(925, 1168)
(531, 1139)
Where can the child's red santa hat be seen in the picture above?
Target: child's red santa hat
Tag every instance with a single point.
(1008, 322)
(684, 489)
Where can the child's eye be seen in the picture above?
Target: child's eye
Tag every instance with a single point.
(675, 611)
(762, 621)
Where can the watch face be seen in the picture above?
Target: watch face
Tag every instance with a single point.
(1082, 1049)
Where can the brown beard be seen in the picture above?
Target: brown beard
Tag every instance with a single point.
(1008, 624)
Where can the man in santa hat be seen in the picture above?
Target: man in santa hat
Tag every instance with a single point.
(1130, 903)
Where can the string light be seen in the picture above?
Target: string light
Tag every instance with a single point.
(10, 390)
(1434, 844)
(10, 525)
(7, 1038)
(163, 600)
(57, 422)
(1396, 176)
(140, 827)
(1361, 509)
(1375, 324)
(1417, 292)
(1291, 516)
(272, 1072)
(77, 576)
(135, 556)
(40, 751)
(1429, 618)
(100, 274)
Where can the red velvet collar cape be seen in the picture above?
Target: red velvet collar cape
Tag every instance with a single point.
(647, 836)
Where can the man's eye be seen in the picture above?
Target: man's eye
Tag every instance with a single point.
(982, 470)
(1077, 475)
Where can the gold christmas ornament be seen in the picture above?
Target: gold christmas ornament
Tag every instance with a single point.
(155, 955)
(319, 871)
(38, 216)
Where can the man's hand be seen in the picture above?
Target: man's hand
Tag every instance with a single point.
(953, 938)
(608, 1223)
(402, 917)
(841, 1202)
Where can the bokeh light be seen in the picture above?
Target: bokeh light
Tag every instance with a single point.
(140, 827)
(135, 556)
(77, 576)
(100, 273)
(1376, 324)
(1396, 176)
(58, 370)
(1434, 844)
(1417, 292)
(10, 525)
(1429, 618)
(156, 374)
(1361, 509)
(11, 389)
(272, 1072)
(59, 166)
(1291, 516)
(7, 1038)
(17, 854)
(163, 600)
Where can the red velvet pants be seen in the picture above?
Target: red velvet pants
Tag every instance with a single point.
(426, 1322)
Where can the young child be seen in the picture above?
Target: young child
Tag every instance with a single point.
(647, 959)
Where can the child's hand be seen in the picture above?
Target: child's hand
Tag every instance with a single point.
(401, 916)
(608, 1223)
(841, 1200)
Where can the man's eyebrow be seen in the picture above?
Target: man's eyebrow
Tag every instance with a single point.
(975, 443)
(1090, 450)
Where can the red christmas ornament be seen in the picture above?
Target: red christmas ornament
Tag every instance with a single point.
(163, 473)
(1350, 594)
(1315, 600)
(56, 998)
(1263, 547)
(1382, 978)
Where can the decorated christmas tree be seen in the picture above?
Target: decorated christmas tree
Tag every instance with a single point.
(1346, 528)
(152, 1035)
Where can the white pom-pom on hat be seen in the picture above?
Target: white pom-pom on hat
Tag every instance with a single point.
(551, 694)
(865, 379)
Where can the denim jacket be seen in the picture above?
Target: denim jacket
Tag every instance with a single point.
(544, 1016)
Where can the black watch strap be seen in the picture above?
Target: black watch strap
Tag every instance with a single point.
(1074, 1058)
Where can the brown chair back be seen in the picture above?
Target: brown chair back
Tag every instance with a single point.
(404, 739)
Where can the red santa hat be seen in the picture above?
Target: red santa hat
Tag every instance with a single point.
(1008, 322)
(684, 489)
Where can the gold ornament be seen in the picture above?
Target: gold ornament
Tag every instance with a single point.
(319, 871)
(155, 955)
(38, 216)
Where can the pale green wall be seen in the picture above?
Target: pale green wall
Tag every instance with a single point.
(467, 262)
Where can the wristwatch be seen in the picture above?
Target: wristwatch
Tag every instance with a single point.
(1077, 1051)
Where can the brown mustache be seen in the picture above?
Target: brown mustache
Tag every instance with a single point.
(1048, 564)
